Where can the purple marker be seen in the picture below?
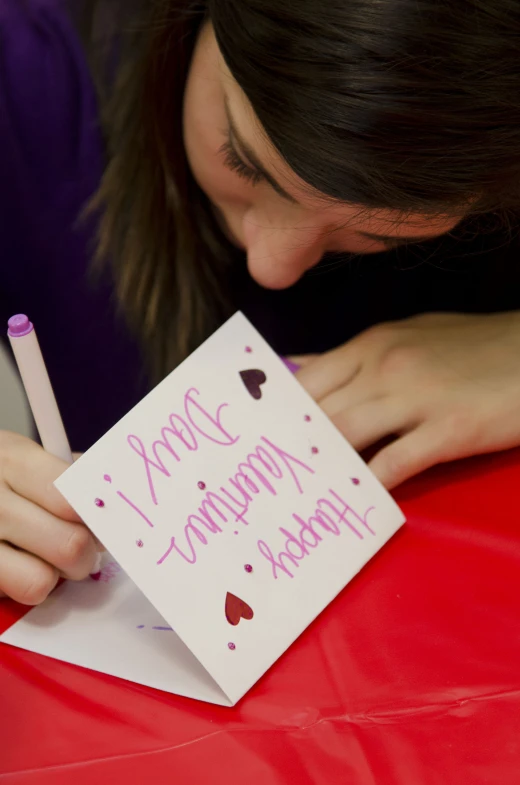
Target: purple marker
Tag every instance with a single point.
(26, 349)
(28, 356)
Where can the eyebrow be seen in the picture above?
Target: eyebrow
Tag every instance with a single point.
(252, 158)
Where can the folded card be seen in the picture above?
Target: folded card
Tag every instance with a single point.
(237, 509)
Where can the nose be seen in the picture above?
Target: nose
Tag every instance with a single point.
(277, 255)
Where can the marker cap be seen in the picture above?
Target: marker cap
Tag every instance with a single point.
(19, 325)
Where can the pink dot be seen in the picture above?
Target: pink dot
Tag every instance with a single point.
(314, 450)
(231, 646)
(307, 418)
(248, 349)
(355, 480)
(201, 485)
(139, 543)
(107, 478)
(248, 568)
(236, 532)
(99, 503)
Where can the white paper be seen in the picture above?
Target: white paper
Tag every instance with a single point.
(109, 626)
(154, 517)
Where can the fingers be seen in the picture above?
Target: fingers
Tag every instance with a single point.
(24, 577)
(65, 545)
(412, 453)
(329, 372)
(41, 537)
(337, 382)
(30, 472)
(360, 391)
(365, 424)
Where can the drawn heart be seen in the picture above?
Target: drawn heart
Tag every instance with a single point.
(253, 379)
(237, 609)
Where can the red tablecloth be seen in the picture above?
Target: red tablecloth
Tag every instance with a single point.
(410, 677)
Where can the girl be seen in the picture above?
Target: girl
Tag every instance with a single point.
(346, 173)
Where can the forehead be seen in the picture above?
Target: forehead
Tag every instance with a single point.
(382, 221)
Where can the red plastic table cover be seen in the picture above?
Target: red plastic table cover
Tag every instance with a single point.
(410, 677)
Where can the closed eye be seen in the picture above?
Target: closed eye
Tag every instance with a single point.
(236, 164)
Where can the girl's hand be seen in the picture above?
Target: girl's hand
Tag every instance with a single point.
(41, 537)
(442, 386)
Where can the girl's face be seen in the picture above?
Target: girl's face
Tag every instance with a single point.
(263, 206)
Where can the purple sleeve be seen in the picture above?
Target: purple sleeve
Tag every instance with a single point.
(51, 160)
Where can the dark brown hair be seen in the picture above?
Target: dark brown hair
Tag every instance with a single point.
(412, 105)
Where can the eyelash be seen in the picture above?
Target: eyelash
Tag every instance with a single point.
(233, 161)
(392, 245)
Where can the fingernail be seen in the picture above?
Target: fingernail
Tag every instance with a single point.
(96, 569)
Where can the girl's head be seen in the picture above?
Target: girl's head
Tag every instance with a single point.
(293, 129)
(284, 224)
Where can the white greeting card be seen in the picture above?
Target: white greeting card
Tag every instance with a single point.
(108, 625)
(236, 508)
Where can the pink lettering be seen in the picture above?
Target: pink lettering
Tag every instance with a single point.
(197, 415)
(325, 521)
(173, 545)
(261, 464)
(199, 420)
(341, 515)
(306, 528)
(242, 504)
(288, 460)
(183, 433)
(248, 482)
(165, 444)
(292, 540)
(245, 496)
(138, 447)
(249, 466)
(210, 503)
(277, 564)
(348, 509)
(207, 522)
(136, 508)
(298, 546)
(267, 463)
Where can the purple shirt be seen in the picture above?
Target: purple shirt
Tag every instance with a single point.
(51, 159)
